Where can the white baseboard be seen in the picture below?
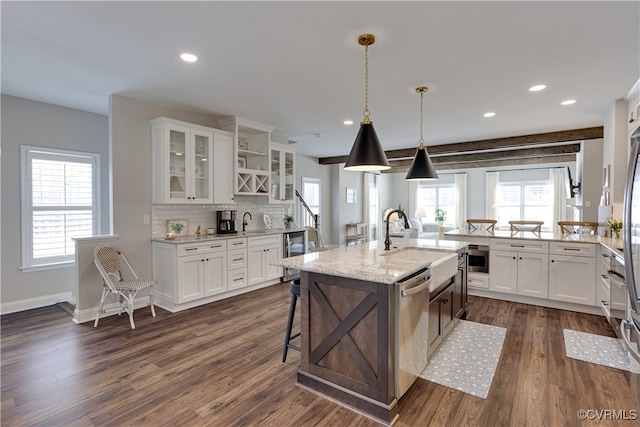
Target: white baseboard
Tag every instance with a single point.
(111, 309)
(42, 301)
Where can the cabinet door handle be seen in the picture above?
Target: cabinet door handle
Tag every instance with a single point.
(514, 257)
(604, 302)
(444, 300)
(553, 260)
(520, 257)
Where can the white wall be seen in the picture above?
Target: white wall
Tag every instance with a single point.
(310, 168)
(26, 122)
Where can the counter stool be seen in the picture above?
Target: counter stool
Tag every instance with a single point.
(294, 287)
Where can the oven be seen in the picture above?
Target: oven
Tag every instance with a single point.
(294, 244)
(478, 258)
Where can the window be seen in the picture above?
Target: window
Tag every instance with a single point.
(59, 201)
(311, 196)
(432, 196)
(526, 200)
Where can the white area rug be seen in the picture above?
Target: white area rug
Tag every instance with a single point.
(467, 359)
(598, 349)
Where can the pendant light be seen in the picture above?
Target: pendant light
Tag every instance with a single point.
(421, 168)
(367, 153)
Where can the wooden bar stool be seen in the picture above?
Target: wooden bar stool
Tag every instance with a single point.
(533, 226)
(578, 227)
(294, 287)
(481, 224)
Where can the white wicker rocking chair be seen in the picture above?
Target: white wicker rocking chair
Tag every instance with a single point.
(109, 261)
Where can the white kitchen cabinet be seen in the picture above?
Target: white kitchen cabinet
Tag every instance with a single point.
(251, 155)
(182, 170)
(261, 252)
(237, 262)
(223, 160)
(572, 277)
(523, 270)
(201, 270)
(282, 160)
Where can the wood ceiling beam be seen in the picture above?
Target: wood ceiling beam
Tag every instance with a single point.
(489, 144)
(562, 158)
(528, 152)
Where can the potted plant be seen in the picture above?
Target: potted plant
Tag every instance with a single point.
(616, 227)
(441, 215)
(177, 227)
(288, 220)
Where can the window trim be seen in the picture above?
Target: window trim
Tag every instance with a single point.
(437, 186)
(28, 152)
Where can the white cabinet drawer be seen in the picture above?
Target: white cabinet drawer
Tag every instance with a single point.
(516, 245)
(237, 259)
(478, 280)
(198, 248)
(239, 243)
(573, 249)
(237, 279)
(264, 240)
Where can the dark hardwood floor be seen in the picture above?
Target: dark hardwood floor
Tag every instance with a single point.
(220, 365)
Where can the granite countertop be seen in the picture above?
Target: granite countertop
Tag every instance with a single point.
(369, 261)
(191, 238)
(613, 244)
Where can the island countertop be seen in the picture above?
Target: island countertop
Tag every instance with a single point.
(369, 261)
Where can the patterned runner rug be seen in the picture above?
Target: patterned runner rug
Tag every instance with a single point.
(467, 359)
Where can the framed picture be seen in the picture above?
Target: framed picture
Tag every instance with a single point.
(606, 198)
(242, 162)
(177, 226)
(242, 143)
(606, 173)
(352, 195)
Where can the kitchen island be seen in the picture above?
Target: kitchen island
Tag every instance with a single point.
(349, 319)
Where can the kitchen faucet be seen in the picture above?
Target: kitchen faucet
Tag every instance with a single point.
(244, 221)
(387, 240)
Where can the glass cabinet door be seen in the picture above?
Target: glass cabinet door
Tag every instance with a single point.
(275, 175)
(288, 176)
(177, 164)
(201, 169)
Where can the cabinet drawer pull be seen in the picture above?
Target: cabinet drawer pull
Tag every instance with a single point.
(191, 249)
(237, 259)
(571, 249)
(238, 279)
(215, 246)
(517, 246)
(237, 243)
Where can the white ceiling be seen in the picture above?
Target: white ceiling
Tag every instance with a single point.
(297, 65)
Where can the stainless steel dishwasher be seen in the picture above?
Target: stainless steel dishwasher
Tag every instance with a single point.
(411, 328)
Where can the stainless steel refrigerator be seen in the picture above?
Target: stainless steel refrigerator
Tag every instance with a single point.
(630, 327)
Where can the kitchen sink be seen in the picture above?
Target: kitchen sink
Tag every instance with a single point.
(444, 265)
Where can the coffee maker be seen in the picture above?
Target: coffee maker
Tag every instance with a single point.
(226, 222)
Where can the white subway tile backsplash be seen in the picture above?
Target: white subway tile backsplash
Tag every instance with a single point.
(205, 215)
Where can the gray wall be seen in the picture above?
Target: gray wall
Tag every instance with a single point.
(26, 122)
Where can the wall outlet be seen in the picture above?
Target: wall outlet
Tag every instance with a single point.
(146, 220)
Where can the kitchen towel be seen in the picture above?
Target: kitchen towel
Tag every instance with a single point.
(467, 358)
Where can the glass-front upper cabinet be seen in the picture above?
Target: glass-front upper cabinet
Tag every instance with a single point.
(182, 164)
(282, 174)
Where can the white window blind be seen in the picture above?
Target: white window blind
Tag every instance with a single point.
(59, 200)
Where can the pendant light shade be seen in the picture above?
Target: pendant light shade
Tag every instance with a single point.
(367, 153)
(421, 168)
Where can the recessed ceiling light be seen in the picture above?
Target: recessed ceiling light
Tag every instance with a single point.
(536, 88)
(568, 102)
(188, 57)
(348, 122)
(490, 114)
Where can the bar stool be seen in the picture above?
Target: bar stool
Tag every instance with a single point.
(294, 287)
(481, 224)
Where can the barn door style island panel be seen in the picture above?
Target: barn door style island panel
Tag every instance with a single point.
(365, 319)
